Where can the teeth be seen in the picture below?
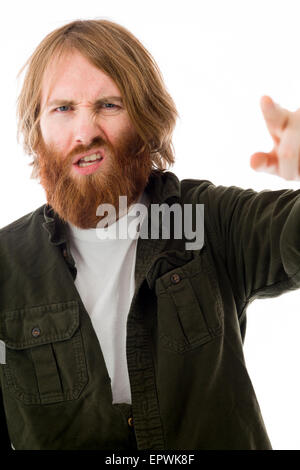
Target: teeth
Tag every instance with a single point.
(87, 163)
(89, 160)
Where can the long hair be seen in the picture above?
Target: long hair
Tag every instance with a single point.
(119, 54)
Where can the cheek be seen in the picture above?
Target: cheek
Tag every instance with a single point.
(52, 135)
(47, 130)
(120, 130)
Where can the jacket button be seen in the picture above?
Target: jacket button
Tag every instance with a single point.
(130, 421)
(175, 278)
(35, 332)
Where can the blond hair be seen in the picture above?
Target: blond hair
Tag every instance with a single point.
(119, 54)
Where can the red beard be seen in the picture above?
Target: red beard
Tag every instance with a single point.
(75, 197)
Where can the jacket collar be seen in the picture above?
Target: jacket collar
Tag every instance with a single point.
(54, 225)
(162, 186)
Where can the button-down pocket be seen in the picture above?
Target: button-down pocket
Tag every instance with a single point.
(45, 361)
(189, 306)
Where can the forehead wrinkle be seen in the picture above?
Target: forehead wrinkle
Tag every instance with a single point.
(65, 95)
(52, 74)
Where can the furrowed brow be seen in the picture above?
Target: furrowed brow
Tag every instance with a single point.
(60, 103)
(103, 99)
(109, 98)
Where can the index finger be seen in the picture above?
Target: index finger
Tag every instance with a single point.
(275, 116)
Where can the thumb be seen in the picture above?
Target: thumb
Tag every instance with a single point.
(265, 162)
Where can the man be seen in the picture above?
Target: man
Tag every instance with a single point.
(134, 342)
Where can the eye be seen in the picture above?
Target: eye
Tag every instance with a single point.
(110, 106)
(62, 109)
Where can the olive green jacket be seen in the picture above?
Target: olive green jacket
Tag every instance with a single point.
(185, 330)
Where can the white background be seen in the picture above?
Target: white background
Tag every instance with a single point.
(217, 58)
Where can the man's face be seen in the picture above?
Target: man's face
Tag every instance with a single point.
(83, 116)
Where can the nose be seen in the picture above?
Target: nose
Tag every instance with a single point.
(86, 128)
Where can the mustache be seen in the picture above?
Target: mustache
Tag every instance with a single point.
(95, 144)
(50, 151)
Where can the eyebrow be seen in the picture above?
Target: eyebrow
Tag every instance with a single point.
(103, 99)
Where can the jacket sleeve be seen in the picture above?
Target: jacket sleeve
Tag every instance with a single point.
(257, 235)
(4, 437)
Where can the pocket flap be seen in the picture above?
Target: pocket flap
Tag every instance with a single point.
(34, 326)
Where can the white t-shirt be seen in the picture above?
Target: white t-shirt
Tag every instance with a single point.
(105, 282)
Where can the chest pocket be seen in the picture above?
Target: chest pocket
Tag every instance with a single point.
(45, 361)
(189, 304)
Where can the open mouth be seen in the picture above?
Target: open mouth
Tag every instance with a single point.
(90, 160)
(88, 164)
